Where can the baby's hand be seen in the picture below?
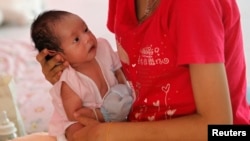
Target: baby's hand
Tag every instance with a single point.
(90, 113)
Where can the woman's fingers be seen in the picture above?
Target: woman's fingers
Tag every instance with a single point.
(52, 68)
(41, 56)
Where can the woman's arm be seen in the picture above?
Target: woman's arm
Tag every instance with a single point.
(211, 95)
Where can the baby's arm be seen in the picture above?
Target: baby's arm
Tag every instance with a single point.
(71, 103)
(120, 76)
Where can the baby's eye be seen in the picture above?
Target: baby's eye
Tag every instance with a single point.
(76, 39)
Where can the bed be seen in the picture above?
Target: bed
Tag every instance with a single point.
(17, 58)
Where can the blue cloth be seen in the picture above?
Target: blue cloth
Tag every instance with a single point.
(117, 104)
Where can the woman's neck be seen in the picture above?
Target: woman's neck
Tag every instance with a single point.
(144, 8)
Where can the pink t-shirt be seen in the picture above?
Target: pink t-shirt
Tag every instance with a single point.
(155, 54)
(83, 86)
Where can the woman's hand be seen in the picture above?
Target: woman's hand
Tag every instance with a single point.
(91, 130)
(52, 69)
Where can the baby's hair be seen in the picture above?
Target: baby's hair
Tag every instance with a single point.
(42, 30)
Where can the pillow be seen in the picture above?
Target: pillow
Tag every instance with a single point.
(20, 12)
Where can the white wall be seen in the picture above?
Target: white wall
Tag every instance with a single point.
(94, 12)
(244, 6)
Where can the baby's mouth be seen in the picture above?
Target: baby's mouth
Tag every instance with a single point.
(92, 47)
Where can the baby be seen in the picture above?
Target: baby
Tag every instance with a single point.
(93, 79)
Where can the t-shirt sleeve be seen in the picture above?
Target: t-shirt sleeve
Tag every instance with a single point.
(197, 28)
(111, 15)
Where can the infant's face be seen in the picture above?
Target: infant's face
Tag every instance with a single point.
(77, 41)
